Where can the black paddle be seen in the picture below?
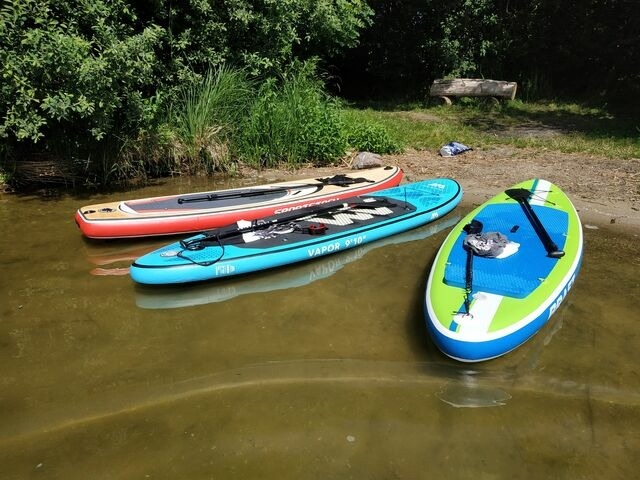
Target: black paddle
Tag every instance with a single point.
(214, 236)
(339, 180)
(522, 195)
(471, 228)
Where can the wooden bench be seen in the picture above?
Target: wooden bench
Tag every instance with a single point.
(445, 89)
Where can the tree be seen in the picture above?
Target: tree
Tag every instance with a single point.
(550, 47)
(411, 42)
(81, 72)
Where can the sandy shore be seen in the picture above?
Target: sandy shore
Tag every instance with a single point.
(605, 192)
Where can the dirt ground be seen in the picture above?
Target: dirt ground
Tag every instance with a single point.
(605, 192)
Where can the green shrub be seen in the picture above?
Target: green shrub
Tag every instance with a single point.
(82, 82)
(366, 135)
(292, 120)
(206, 118)
(82, 72)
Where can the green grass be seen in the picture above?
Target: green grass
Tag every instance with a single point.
(228, 118)
(291, 121)
(206, 119)
(286, 120)
(368, 134)
(566, 128)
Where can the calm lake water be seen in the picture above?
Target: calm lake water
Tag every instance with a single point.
(322, 370)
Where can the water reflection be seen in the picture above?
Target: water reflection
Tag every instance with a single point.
(453, 384)
(284, 278)
(334, 378)
(113, 258)
(469, 392)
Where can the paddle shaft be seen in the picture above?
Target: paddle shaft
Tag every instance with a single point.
(468, 281)
(340, 181)
(521, 195)
(229, 232)
(251, 193)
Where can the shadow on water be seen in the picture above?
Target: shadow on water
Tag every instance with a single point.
(322, 370)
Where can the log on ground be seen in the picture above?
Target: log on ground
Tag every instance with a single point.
(473, 87)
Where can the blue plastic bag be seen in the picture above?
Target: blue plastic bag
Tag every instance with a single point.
(453, 148)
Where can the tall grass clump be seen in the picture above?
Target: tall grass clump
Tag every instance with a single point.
(206, 118)
(149, 154)
(293, 121)
(228, 117)
(364, 134)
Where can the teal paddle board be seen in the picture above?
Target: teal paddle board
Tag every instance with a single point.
(297, 236)
(285, 278)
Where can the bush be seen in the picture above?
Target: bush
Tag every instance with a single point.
(76, 72)
(368, 136)
(292, 121)
(83, 81)
(206, 119)
(226, 117)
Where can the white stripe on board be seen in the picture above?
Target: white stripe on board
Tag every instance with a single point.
(541, 192)
(483, 309)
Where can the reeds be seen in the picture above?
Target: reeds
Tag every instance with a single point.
(292, 121)
(206, 119)
(288, 120)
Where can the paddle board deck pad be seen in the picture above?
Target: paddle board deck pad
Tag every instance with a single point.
(503, 271)
(294, 237)
(196, 212)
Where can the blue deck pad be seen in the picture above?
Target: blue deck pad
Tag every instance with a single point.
(521, 273)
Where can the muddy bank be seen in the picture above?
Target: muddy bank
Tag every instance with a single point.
(606, 192)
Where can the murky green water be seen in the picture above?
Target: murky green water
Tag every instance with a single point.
(323, 370)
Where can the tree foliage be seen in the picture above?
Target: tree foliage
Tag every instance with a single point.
(550, 47)
(571, 48)
(80, 76)
(74, 69)
(103, 68)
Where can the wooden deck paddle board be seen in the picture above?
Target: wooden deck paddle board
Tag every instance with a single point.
(294, 237)
(479, 306)
(196, 212)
